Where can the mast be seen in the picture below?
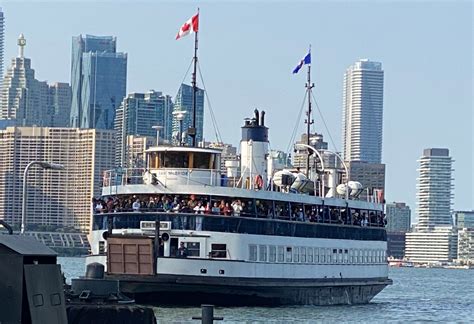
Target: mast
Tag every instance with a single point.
(192, 129)
(308, 121)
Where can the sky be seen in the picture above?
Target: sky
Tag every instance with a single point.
(247, 50)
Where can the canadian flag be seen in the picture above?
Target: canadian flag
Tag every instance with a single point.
(189, 26)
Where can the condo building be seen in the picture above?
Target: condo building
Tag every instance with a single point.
(435, 238)
(57, 199)
(138, 115)
(363, 112)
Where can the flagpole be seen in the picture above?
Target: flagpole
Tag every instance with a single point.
(195, 59)
(309, 121)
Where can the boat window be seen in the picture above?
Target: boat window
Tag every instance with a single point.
(346, 256)
(200, 160)
(248, 207)
(281, 254)
(316, 255)
(296, 254)
(153, 160)
(218, 251)
(282, 210)
(323, 256)
(289, 253)
(303, 254)
(264, 208)
(174, 159)
(272, 253)
(297, 212)
(351, 256)
(101, 247)
(194, 249)
(340, 256)
(309, 254)
(252, 252)
(262, 253)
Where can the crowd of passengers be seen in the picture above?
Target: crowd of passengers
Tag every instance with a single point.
(236, 207)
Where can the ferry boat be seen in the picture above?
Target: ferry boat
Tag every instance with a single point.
(181, 232)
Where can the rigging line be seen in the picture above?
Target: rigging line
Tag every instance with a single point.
(325, 125)
(185, 75)
(295, 129)
(213, 117)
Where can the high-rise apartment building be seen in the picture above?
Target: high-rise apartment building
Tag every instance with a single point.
(137, 115)
(184, 102)
(466, 246)
(434, 238)
(2, 44)
(398, 216)
(434, 189)
(22, 97)
(363, 112)
(59, 199)
(98, 81)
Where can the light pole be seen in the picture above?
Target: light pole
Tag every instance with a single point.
(320, 159)
(157, 128)
(44, 165)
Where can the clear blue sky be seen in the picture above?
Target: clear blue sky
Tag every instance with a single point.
(248, 50)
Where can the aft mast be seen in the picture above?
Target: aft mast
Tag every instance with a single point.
(192, 130)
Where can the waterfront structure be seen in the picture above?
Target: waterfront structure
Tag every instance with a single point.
(396, 245)
(228, 153)
(137, 115)
(184, 102)
(398, 216)
(371, 176)
(56, 199)
(23, 98)
(363, 112)
(434, 189)
(466, 245)
(464, 219)
(2, 44)
(439, 245)
(434, 238)
(98, 81)
(59, 102)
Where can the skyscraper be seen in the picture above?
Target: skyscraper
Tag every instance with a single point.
(434, 238)
(184, 102)
(2, 46)
(398, 217)
(363, 112)
(434, 189)
(22, 97)
(137, 115)
(59, 101)
(98, 81)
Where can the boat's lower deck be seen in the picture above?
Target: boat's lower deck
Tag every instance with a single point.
(196, 290)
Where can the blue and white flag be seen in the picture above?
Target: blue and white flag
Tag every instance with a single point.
(306, 60)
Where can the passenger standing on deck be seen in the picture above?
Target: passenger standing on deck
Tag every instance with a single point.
(199, 209)
(136, 205)
(237, 207)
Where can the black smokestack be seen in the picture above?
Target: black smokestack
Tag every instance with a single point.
(262, 120)
(256, 117)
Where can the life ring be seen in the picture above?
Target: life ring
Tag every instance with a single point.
(258, 181)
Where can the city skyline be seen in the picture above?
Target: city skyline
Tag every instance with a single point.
(413, 90)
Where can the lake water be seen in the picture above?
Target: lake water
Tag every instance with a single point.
(417, 294)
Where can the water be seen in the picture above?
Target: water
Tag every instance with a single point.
(416, 295)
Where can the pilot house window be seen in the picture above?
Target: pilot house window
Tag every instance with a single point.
(218, 251)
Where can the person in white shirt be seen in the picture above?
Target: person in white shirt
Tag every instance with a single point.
(199, 209)
(136, 205)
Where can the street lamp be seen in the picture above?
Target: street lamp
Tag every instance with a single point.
(44, 165)
(157, 128)
(320, 159)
